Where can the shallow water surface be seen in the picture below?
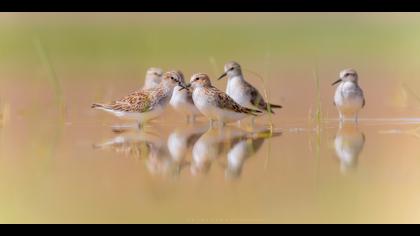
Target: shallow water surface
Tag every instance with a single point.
(191, 173)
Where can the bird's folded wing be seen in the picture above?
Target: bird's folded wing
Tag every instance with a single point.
(138, 101)
(226, 102)
(256, 99)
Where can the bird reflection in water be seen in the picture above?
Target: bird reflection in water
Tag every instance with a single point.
(182, 139)
(238, 145)
(133, 143)
(349, 143)
(206, 145)
(161, 158)
(243, 148)
(141, 144)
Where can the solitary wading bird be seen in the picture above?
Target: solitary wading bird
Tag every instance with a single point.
(243, 92)
(182, 101)
(153, 78)
(144, 105)
(215, 104)
(348, 96)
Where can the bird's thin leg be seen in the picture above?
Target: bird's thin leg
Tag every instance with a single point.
(252, 122)
(188, 119)
(124, 127)
(193, 119)
(211, 124)
(139, 125)
(117, 129)
(238, 123)
(221, 126)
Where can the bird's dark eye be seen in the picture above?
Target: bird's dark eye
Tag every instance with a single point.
(346, 74)
(172, 78)
(232, 68)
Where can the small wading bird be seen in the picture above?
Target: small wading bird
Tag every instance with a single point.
(144, 105)
(183, 102)
(243, 92)
(153, 78)
(215, 104)
(348, 97)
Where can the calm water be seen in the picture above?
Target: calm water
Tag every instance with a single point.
(68, 165)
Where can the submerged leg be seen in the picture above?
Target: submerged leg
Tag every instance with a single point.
(340, 124)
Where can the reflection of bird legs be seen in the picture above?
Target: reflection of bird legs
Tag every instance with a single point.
(123, 128)
(212, 124)
(126, 127)
(191, 119)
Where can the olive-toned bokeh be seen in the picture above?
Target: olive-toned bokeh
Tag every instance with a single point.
(54, 65)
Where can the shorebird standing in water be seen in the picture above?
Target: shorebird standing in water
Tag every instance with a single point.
(243, 92)
(144, 105)
(183, 102)
(153, 78)
(215, 104)
(348, 97)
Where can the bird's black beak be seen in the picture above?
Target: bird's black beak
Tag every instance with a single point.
(222, 76)
(336, 82)
(184, 86)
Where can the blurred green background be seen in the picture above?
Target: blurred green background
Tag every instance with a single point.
(287, 49)
(180, 38)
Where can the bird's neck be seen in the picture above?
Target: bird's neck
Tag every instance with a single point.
(238, 77)
(165, 88)
(353, 83)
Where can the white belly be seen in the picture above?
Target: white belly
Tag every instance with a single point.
(140, 117)
(207, 105)
(348, 98)
(235, 91)
(181, 103)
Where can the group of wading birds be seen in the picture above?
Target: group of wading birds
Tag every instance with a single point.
(200, 97)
